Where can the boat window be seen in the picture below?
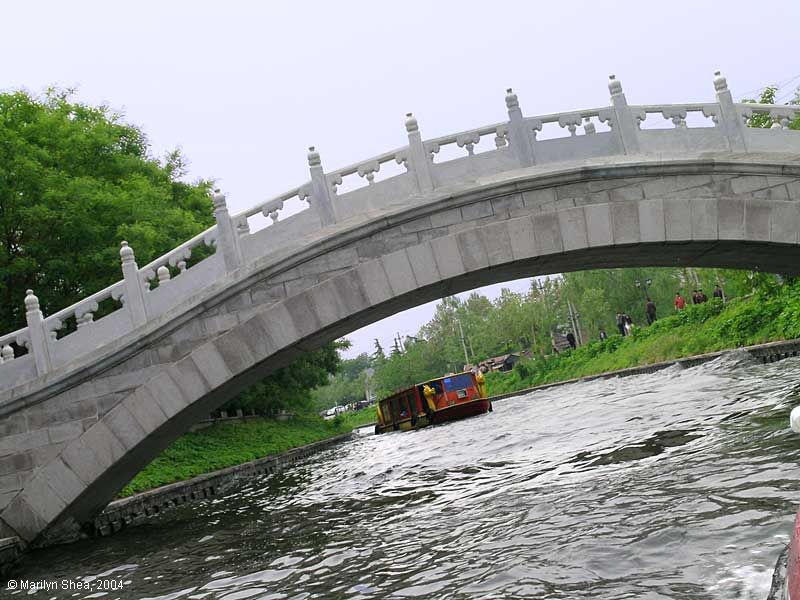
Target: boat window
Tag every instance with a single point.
(458, 382)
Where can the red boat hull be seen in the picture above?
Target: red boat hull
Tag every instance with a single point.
(462, 411)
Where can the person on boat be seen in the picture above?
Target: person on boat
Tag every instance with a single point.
(650, 309)
(680, 302)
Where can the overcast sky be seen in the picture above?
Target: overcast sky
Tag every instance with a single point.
(244, 87)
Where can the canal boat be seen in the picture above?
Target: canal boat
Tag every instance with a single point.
(439, 400)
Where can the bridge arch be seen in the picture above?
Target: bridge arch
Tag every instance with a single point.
(716, 211)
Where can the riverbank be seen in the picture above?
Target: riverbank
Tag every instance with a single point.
(228, 444)
(695, 331)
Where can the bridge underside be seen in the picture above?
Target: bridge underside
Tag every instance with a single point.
(78, 440)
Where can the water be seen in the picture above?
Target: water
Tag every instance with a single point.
(679, 484)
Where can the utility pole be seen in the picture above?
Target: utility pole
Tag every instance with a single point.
(463, 343)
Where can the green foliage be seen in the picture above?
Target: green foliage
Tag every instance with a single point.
(75, 180)
(763, 120)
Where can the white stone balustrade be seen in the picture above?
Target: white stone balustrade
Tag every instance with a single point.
(486, 152)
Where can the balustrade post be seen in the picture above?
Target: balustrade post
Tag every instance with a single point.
(627, 130)
(519, 135)
(419, 160)
(39, 338)
(321, 196)
(133, 295)
(729, 119)
(227, 235)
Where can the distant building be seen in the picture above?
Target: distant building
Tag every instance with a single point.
(504, 362)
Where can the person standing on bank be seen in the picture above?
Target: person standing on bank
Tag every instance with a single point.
(603, 335)
(650, 309)
(680, 303)
(571, 339)
(621, 324)
(717, 293)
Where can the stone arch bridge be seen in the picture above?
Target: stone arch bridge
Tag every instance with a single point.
(83, 408)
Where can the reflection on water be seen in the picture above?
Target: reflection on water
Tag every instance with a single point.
(678, 484)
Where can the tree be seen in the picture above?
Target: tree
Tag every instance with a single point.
(75, 180)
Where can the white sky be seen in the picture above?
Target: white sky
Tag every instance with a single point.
(244, 87)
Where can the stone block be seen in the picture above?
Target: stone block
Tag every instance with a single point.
(793, 189)
(423, 264)
(678, 220)
(572, 222)
(84, 461)
(211, 365)
(13, 424)
(625, 223)
(785, 222)
(63, 481)
(447, 256)
(279, 324)
(325, 300)
(350, 292)
(416, 225)
(44, 454)
(651, 221)
(166, 393)
(756, 220)
(43, 499)
(103, 443)
(23, 519)
(302, 315)
(125, 427)
(64, 432)
(497, 241)
(572, 190)
(266, 292)
(399, 271)
(189, 379)
(476, 210)
(744, 184)
(146, 410)
(731, 218)
(23, 441)
(10, 483)
(375, 281)
(255, 334)
(473, 252)
(447, 217)
(774, 193)
(15, 463)
(598, 225)
(538, 198)
(547, 234)
(520, 233)
(510, 205)
(704, 219)
(630, 193)
(296, 287)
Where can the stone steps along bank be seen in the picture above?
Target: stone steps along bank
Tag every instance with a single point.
(138, 508)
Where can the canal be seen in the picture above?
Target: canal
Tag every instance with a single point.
(679, 484)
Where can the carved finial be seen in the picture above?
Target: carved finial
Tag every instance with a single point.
(31, 301)
(163, 274)
(614, 85)
(218, 198)
(411, 123)
(588, 126)
(720, 83)
(7, 354)
(126, 253)
(511, 99)
(313, 157)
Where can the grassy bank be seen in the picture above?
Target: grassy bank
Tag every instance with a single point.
(229, 444)
(768, 315)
